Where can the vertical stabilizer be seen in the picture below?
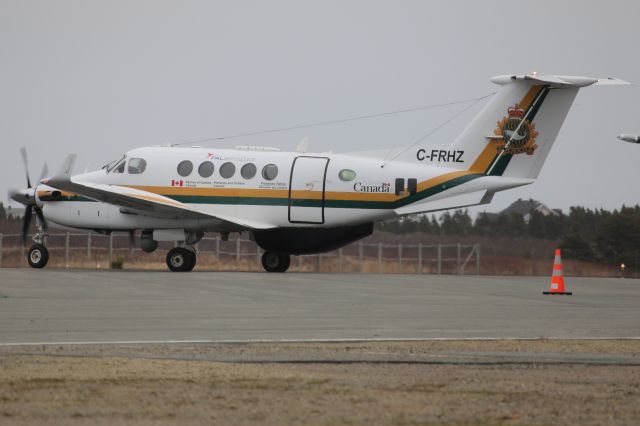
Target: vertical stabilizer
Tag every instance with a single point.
(513, 134)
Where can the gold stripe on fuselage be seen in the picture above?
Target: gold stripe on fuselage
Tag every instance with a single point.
(267, 193)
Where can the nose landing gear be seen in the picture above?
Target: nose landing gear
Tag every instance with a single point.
(181, 259)
(275, 262)
(38, 255)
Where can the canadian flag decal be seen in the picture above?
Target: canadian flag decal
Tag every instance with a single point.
(176, 182)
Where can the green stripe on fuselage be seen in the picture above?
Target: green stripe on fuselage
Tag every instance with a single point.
(302, 202)
(345, 204)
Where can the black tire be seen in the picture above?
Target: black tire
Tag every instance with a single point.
(180, 259)
(286, 263)
(38, 256)
(275, 262)
(193, 258)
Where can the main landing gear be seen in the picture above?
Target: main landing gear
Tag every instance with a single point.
(275, 262)
(181, 259)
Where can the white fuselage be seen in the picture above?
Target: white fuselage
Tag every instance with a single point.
(303, 189)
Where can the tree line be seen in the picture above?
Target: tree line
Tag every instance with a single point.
(6, 214)
(595, 235)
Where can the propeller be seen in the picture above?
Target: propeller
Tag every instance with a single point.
(26, 221)
(27, 197)
(23, 153)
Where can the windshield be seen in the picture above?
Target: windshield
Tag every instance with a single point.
(110, 166)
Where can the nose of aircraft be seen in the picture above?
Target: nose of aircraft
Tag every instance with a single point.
(27, 196)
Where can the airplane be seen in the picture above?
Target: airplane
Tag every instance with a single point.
(297, 203)
(629, 138)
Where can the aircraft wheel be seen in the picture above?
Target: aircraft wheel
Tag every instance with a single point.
(180, 259)
(275, 262)
(38, 256)
(192, 258)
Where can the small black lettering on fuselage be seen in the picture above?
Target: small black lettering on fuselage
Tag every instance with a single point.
(383, 187)
(440, 155)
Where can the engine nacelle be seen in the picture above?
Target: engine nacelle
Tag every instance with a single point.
(310, 240)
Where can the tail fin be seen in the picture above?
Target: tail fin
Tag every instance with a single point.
(515, 131)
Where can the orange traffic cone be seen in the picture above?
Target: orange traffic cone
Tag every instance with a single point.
(557, 279)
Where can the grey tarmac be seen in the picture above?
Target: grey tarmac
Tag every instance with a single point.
(40, 306)
(133, 347)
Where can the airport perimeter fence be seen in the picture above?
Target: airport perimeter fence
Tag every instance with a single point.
(114, 250)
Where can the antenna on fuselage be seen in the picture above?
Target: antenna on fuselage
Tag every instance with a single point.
(303, 145)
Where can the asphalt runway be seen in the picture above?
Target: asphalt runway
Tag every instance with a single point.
(47, 306)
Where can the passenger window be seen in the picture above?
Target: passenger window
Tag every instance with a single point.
(227, 170)
(206, 169)
(185, 168)
(248, 170)
(347, 175)
(120, 167)
(137, 166)
(270, 172)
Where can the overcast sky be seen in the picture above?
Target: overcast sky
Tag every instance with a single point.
(99, 78)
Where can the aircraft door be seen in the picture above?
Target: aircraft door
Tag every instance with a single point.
(307, 189)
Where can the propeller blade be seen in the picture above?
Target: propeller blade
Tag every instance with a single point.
(14, 194)
(23, 153)
(132, 239)
(44, 172)
(26, 221)
(21, 196)
(41, 218)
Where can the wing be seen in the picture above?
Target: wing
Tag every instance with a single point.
(143, 202)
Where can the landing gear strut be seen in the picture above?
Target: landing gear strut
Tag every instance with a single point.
(38, 255)
(181, 259)
(275, 262)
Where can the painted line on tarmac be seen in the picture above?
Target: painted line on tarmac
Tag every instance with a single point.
(343, 340)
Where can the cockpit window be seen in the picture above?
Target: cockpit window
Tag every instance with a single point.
(119, 167)
(111, 165)
(137, 166)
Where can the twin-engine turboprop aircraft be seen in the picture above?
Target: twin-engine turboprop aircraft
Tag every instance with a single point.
(296, 203)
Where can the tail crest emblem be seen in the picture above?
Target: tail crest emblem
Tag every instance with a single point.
(518, 134)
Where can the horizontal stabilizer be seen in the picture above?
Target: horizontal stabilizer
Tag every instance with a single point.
(561, 80)
(454, 202)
